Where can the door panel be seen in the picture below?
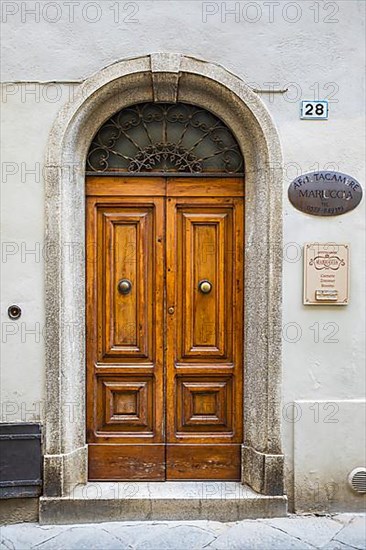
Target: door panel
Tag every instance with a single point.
(202, 237)
(125, 338)
(127, 462)
(127, 254)
(205, 187)
(117, 186)
(195, 462)
(164, 360)
(204, 338)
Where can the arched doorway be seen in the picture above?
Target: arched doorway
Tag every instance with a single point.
(165, 280)
(162, 77)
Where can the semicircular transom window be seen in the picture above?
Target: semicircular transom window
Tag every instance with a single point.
(164, 137)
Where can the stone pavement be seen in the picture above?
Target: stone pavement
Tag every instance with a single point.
(338, 532)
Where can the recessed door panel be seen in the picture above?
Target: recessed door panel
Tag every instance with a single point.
(205, 279)
(127, 258)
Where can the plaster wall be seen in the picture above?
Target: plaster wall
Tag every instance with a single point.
(43, 64)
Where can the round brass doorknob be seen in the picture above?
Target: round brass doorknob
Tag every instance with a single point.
(124, 286)
(205, 286)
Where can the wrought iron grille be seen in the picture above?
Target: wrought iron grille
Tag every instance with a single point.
(164, 137)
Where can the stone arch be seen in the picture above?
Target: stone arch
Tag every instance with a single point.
(161, 77)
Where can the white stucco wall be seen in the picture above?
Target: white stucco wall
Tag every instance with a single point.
(322, 363)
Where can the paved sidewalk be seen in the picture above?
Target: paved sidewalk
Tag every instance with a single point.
(339, 532)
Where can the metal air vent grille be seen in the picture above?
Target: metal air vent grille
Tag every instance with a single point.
(357, 480)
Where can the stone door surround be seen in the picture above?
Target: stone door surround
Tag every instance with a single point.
(163, 77)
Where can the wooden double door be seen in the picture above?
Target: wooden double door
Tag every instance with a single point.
(164, 328)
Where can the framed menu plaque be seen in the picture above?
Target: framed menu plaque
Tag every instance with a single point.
(326, 274)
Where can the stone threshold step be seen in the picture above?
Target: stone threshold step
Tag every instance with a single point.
(170, 500)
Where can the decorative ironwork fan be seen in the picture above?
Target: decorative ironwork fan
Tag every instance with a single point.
(164, 137)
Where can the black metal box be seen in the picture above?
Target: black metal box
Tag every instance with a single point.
(20, 460)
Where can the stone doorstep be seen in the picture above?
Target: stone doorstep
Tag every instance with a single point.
(98, 502)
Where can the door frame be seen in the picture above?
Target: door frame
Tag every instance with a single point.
(161, 77)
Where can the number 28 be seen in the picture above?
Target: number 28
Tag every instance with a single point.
(319, 109)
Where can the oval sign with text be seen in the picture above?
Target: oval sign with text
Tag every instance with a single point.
(325, 193)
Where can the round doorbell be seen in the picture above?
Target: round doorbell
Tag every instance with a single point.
(14, 312)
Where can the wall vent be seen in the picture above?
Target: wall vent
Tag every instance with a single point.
(357, 480)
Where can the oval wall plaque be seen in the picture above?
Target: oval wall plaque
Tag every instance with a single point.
(325, 193)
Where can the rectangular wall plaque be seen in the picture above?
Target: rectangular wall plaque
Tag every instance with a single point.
(314, 110)
(326, 274)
